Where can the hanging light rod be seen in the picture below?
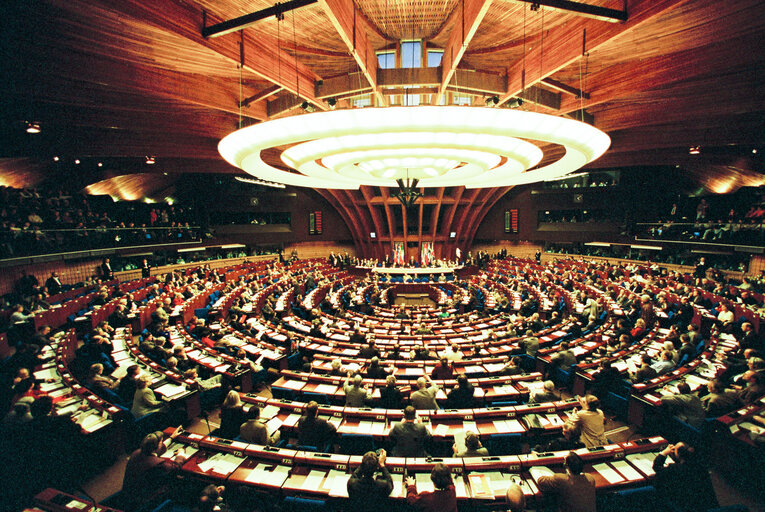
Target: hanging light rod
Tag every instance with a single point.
(586, 10)
(242, 22)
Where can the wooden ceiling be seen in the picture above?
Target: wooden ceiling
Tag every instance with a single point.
(129, 78)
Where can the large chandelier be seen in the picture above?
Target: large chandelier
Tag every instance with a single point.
(438, 145)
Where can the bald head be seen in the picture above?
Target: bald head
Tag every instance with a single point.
(515, 498)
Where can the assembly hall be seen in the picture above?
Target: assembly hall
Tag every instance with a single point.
(382, 256)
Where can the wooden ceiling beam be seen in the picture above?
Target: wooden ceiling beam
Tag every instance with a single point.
(586, 10)
(260, 52)
(248, 20)
(566, 89)
(480, 82)
(541, 97)
(343, 85)
(261, 95)
(469, 17)
(352, 30)
(566, 43)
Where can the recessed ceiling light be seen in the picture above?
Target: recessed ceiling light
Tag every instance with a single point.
(77, 162)
(150, 160)
(55, 159)
(33, 128)
(694, 150)
(754, 151)
(100, 164)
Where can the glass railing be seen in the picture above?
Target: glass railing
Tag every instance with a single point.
(731, 233)
(17, 242)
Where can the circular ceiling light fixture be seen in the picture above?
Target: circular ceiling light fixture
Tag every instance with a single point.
(440, 145)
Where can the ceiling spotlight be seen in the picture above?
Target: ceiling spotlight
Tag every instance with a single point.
(492, 101)
(694, 150)
(55, 159)
(514, 103)
(332, 102)
(77, 162)
(100, 164)
(308, 107)
(33, 128)
(150, 160)
(754, 151)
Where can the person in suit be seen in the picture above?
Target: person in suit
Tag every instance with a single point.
(443, 371)
(145, 268)
(425, 396)
(370, 484)
(375, 371)
(147, 474)
(253, 430)
(645, 372)
(574, 491)
(53, 284)
(719, 400)
(355, 394)
(42, 338)
(685, 485)
(390, 395)
(473, 447)
(546, 394)
(128, 384)
(106, 270)
(443, 499)
(312, 430)
(119, 317)
(144, 400)
(409, 436)
(369, 351)
(463, 394)
(530, 344)
(590, 422)
(685, 406)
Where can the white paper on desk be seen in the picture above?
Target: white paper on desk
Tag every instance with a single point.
(538, 471)
(222, 368)
(185, 449)
(493, 367)
(49, 373)
(338, 483)
(554, 419)
(624, 467)
(326, 388)
(273, 425)
(378, 428)
(459, 440)
(398, 486)
(275, 478)
(68, 409)
(413, 371)
(88, 420)
(50, 386)
(59, 392)
(194, 354)
(424, 483)
(313, 480)
(171, 390)
(643, 461)
(120, 356)
(291, 420)
(294, 384)
(608, 473)
(364, 427)
(620, 365)
(268, 411)
(441, 430)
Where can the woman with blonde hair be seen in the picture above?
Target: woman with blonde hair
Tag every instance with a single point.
(231, 415)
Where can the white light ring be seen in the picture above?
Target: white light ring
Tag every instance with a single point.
(247, 143)
(319, 148)
(466, 173)
(453, 158)
(317, 180)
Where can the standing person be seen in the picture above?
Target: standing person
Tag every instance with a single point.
(53, 284)
(409, 436)
(390, 395)
(573, 491)
(106, 270)
(590, 421)
(685, 485)
(371, 484)
(355, 394)
(231, 415)
(145, 268)
(425, 396)
(443, 499)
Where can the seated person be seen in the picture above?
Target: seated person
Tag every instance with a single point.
(718, 401)
(144, 400)
(685, 485)
(355, 394)
(370, 484)
(97, 382)
(443, 371)
(565, 358)
(512, 367)
(546, 394)
(462, 396)
(443, 499)
(390, 395)
(572, 490)
(645, 372)
(590, 422)
(409, 436)
(473, 447)
(425, 395)
(685, 406)
(375, 371)
(147, 474)
(127, 386)
(312, 430)
(665, 364)
(231, 415)
(568, 441)
(253, 430)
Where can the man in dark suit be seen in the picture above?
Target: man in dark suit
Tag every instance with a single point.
(409, 436)
(145, 268)
(53, 284)
(314, 431)
(106, 270)
(685, 484)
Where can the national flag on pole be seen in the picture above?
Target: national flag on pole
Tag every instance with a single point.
(398, 253)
